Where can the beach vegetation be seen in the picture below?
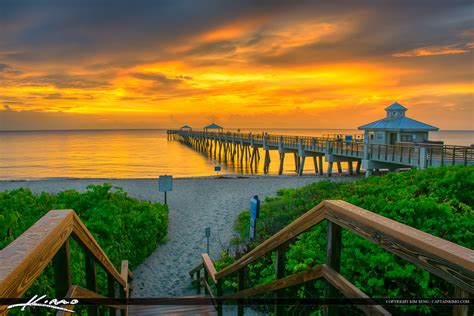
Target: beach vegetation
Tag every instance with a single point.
(438, 201)
(125, 228)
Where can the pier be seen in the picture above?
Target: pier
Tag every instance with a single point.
(393, 142)
(356, 153)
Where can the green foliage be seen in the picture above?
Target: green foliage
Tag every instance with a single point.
(125, 228)
(438, 201)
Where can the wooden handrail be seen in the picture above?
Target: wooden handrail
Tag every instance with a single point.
(209, 266)
(301, 224)
(23, 260)
(451, 262)
(295, 279)
(196, 268)
(84, 236)
(350, 290)
(79, 292)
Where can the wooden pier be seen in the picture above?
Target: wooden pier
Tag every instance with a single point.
(357, 154)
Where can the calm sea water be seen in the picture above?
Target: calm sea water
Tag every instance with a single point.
(134, 154)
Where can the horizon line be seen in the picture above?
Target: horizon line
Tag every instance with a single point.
(164, 129)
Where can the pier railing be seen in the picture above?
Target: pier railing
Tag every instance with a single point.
(408, 154)
(399, 154)
(449, 155)
(447, 260)
(22, 261)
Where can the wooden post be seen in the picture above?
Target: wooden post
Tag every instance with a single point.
(267, 162)
(301, 166)
(282, 160)
(198, 281)
(91, 279)
(111, 291)
(339, 168)
(297, 162)
(349, 167)
(240, 287)
(330, 168)
(358, 167)
(454, 155)
(320, 158)
(206, 277)
(219, 297)
(315, 161)
(333, 260)
(62, 270)
(279, 273)
(460, 310)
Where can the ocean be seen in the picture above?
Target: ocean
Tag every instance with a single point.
(26, 155)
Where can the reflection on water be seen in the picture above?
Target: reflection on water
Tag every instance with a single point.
(136, 154)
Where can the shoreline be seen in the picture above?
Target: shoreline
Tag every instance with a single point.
(227, 176)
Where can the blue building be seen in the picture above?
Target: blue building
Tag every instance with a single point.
(396, 128)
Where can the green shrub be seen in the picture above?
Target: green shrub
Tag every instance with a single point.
(124, 227)
(438, 201)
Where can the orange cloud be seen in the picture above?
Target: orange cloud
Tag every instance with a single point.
(431, 51)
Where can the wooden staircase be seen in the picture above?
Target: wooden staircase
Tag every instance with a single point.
(451, 262)
(47, 241)
(177, 310)
(172, 310)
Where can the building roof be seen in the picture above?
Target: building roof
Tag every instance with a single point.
(397, 121)
(396, 107)
(213, 126)
(185, 126)
(401, 123)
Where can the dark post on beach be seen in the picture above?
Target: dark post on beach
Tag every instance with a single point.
(165, 184)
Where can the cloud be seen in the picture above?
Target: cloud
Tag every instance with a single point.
(62, 81)
(161, 78)
(58, 96)
(436, 50)
(7, 69)
(224, 56)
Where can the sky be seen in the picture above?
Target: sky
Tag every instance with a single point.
(242, 64)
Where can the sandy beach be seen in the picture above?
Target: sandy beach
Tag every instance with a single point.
(195, 203)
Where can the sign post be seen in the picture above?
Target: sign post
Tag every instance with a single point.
(217, 169)
(254, 214)
(208, 234)
(165, 184)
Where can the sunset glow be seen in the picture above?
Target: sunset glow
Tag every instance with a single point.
(285, 65)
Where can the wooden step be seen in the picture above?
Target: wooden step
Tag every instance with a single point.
(173, 310)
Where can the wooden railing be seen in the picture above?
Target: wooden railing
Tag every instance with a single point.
(22, 261)
(447, 260)
(401, 154)
(446, 155)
